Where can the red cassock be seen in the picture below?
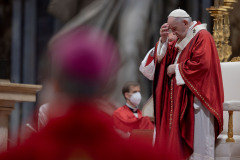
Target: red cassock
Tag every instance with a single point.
(199, 67)
(125, 120)
(83, 133)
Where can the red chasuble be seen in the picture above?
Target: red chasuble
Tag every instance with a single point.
(199, 67)
(125, 120)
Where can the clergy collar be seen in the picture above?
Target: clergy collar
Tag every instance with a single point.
(191, 27)
(134, 110)
(192, 31)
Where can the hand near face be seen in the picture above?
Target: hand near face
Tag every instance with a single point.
(171, 70)
(164, 32)
(171, 37)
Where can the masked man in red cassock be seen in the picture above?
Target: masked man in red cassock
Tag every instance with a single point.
(129, 117)
(187, 89)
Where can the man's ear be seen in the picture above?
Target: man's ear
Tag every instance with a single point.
(126, 95)
(185, 22)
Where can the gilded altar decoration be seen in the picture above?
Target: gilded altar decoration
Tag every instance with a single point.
(235, 59)
(230, 127)
(221, 27)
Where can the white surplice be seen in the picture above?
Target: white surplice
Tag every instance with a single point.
(204, 136)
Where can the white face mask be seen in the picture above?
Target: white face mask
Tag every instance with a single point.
(136, 98)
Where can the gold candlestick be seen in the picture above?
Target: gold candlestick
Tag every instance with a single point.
(228, 4)
(227, 49)
(217, 14)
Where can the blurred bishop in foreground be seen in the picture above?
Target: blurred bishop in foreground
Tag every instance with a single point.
(84, 63)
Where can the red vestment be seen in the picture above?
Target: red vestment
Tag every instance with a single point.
(125, 120)
(199, 67)
(84, 132)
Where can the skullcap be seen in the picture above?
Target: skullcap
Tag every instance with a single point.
(179, 13)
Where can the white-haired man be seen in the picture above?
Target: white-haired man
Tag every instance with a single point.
(187, 89)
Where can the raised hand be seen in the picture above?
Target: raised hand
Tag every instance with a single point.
(164, 32)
